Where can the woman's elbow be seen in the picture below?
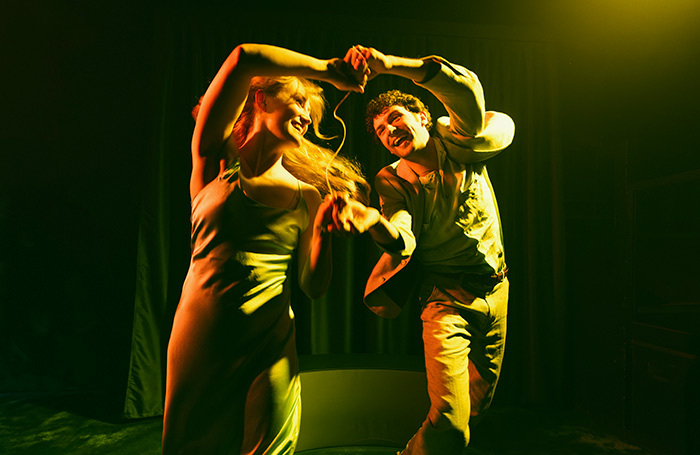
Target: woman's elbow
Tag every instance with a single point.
(240, 56)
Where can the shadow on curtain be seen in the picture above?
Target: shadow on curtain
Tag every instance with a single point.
(518, 78)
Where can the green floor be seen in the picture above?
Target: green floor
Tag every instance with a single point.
(351, 451)
(71, 425)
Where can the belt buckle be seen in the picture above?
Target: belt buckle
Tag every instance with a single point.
(500, 276)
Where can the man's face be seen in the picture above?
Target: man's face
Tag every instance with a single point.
(401, 131)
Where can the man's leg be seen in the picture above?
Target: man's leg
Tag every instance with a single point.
(447, 334)
(487, 350)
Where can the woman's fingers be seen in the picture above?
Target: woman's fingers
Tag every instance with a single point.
(345, 77)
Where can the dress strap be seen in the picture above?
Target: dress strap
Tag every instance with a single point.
(300, 193)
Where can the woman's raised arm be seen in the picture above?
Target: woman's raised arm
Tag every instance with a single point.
(225, 97)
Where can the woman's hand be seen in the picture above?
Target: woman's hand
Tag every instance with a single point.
(324, 222)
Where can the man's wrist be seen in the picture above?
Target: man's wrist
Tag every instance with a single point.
(383, 234)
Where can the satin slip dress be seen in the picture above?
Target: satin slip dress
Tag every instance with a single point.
(232, 374)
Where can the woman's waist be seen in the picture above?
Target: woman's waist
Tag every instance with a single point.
(245, 292)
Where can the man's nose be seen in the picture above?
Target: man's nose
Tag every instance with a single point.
(390, 128)
(305, 119)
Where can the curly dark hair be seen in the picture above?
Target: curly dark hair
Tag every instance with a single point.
(393, 98)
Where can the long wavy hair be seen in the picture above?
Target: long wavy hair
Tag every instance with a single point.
(310, 162)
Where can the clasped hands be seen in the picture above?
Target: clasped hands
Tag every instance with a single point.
(359, 65)
(338, 214)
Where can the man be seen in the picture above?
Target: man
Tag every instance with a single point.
(441, 236)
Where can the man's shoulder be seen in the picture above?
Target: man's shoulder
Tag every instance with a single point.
(390, 170)
(390, 177)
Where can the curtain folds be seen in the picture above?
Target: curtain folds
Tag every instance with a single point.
(518, 78)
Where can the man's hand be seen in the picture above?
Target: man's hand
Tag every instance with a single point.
(340, 215)
(344, 216)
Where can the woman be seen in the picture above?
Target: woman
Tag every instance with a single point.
(232, 380)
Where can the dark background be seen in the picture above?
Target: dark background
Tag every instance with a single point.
(80, 83)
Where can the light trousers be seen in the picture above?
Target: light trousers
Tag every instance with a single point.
(464, 339)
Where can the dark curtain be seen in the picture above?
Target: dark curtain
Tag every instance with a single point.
(517, 72)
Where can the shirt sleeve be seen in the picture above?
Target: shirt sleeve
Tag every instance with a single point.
(395, 210)
(460, 91)
(471, 133)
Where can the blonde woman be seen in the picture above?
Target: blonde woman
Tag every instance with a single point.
(232, 378)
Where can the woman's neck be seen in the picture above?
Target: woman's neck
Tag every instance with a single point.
(259, 154)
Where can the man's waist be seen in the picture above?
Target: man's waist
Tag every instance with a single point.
(478, 284)
(469, 275)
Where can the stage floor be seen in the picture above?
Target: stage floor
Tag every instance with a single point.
(79, 425)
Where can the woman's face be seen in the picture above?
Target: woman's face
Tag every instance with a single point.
(287, 113)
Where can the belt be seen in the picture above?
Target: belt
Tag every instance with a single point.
(478, 284)
(500, 276)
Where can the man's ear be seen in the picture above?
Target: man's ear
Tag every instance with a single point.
(423, 116)
(261, 100)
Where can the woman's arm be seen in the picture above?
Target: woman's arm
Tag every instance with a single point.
(315, 261)
(223, 101)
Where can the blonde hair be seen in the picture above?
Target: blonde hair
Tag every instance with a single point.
(310, 162)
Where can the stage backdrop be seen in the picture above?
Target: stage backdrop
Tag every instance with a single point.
(516, 68)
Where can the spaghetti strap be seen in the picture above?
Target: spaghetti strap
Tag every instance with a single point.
(300, 195)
